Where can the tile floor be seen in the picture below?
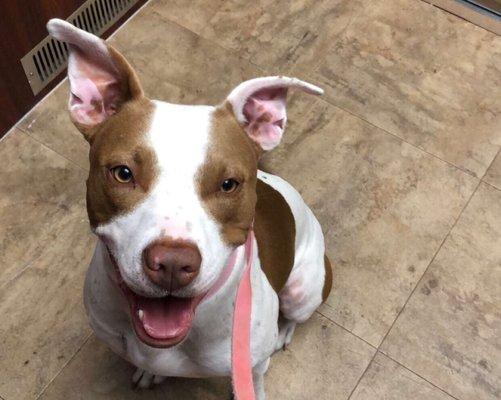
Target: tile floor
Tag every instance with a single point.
(400, 161)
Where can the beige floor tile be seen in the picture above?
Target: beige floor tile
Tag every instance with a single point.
(324, 361)
(194, 15)
(96, 373)
(386, 380)
(49, 123)
(422, 74)
(384, 205)
(493, 175)
(450, 331)
(280, 35)
(167, 55)
(43, 320)
(40, 192)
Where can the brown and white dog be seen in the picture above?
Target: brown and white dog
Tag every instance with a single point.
(172, 193)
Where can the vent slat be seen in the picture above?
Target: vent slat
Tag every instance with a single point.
(37, 66)
(55, 51)
(51, 58)
(94, 18)
(99, 6)
(41, 62)
(90, 23)
(48, 65)
(107, 9)
(87, 26)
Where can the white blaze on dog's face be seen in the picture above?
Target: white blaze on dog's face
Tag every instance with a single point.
(171, 187)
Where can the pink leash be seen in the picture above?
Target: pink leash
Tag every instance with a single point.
(241, 368)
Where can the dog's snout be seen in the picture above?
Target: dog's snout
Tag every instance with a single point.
(172, 264)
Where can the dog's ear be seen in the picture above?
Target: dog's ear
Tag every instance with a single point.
(259, 106)
(101, 80)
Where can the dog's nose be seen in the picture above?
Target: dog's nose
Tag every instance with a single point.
(172, 264)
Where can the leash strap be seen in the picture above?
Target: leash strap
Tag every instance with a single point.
(241, 366)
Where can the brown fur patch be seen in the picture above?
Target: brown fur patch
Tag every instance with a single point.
(328, 278)
(275, 230)
(120, 141)
(231, 154)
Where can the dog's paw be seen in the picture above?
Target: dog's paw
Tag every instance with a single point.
(144, 380)
(285, 333)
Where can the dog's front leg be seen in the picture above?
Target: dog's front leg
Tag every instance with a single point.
(259, 386)
(258, 377)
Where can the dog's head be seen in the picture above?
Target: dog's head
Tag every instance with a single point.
(171, 188)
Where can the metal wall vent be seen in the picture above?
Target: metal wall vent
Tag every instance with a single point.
(49, 57)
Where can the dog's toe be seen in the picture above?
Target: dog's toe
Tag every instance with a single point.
(137, 377)
(144, 380)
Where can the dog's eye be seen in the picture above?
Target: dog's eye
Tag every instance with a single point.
(229, 185)
(122, 174)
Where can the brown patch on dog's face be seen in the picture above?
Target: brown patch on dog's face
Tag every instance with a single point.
(120, 140)
(230, 155)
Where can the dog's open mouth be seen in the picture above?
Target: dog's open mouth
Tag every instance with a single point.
(159, 322)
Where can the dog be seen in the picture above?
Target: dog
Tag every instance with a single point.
(173, 193)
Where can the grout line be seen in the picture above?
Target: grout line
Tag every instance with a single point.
(415, 373)
(431, 262)
(490, 165)
(16, 125)
(412, 292)
(491, 185)
(20, 272)
(53, 150)
(345, 329)
(470, 173)
(64, 366)
(361, 376)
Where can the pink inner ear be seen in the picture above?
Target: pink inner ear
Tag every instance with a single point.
(86, 103)
(266, 116)
(94, 90)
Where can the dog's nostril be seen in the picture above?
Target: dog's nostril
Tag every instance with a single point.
(188, 269)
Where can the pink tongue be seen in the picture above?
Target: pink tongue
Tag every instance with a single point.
(166, 317)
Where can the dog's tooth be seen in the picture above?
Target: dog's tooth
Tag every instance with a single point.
(140, 314)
